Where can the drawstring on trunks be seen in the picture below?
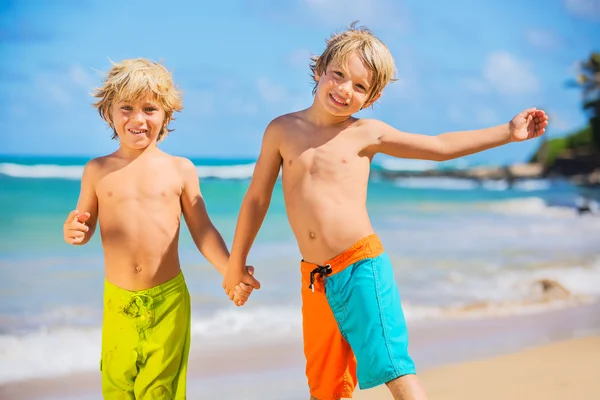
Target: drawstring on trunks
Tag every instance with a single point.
(321, 270)
(137, 303)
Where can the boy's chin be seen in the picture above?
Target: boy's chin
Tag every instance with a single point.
(137, 145)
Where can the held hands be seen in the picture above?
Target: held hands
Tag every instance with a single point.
(74, 229)
(528, 124)
(239, 284)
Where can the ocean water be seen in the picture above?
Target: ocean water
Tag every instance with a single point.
(460, 249)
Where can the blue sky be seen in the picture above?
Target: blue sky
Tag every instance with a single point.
(461, 65)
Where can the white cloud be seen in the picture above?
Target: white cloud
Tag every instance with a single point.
(454, 113)
(408, 86)
(389, 13)
(562, 123)
(475, 85)
(542, 39)
(480, 115)
(201, 102)
(66, 86)
(82, 77)
(508, 75)
(486, 116)
(300, 58)
(585, 9)
(271, 92)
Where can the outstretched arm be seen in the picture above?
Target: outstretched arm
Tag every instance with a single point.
(254, 208)
(528, 124)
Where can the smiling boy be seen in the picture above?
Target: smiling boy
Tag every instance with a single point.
(353, 325)
(139, 194)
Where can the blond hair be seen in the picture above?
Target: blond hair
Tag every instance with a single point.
(133, 80)
(360, 40)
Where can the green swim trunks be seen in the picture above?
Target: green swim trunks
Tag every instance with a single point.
(146, 341)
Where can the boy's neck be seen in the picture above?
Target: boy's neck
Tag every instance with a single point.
(317, 115)
(131, 154)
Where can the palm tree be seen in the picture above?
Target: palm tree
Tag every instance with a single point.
(589, 81)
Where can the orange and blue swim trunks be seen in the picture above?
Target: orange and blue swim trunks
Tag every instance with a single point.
(353, 325)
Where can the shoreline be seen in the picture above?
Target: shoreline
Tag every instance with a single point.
(275, 370)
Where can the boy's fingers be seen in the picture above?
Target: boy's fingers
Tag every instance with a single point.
(83, 217)
(245, 287)
(250, 269)
(254, 282)
(72, 215)
(78, 226)
(241, 295)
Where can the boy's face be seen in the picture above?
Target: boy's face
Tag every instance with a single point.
(138, 123)
(344, 89)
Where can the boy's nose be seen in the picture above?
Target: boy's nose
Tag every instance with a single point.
(138, 117)
(346, 88)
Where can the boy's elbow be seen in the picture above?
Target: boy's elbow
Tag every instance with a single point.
(441, 157)
(441, 151)
(258, 199)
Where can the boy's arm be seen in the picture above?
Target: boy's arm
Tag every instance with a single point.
(526, 125)
(80, 225)
(206, 237)
(254, 208)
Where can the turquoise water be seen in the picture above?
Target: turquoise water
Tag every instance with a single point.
(453, 243)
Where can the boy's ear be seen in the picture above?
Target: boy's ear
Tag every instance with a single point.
(372, 101)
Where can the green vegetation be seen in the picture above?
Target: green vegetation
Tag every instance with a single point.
(550, 149)
(586, 140)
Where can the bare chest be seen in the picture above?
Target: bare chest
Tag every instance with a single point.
(140, 186)
(333, 159)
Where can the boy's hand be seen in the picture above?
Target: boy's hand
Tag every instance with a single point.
(74, 229)
(236, 276)
(528, 124)
(243, 291)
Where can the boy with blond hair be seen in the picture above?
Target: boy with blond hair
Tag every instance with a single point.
(139, 193)
(353, 325)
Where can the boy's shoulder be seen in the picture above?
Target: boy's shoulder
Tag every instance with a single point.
(286, 120)
(184, 165)
(98, 163)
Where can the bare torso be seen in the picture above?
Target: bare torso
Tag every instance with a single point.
(325, 176)
(139, 211)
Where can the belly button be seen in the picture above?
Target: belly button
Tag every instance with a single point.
(138, 269)
(312, 235)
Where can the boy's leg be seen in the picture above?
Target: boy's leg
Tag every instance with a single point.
(330, 363)
(366, 302)
(407, 387)
(120, 344)
(164, 353)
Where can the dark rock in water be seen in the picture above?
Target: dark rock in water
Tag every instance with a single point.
(552, 290)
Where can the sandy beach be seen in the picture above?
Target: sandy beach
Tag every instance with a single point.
(564, 370)
(548, 355)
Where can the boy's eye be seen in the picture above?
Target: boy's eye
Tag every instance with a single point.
(361, 87)
(150, 109)
(128, 108)
(338, 73)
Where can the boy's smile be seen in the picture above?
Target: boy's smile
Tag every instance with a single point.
(138, 131)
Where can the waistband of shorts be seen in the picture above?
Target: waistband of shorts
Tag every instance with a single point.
(367, 247)
(174, 284)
